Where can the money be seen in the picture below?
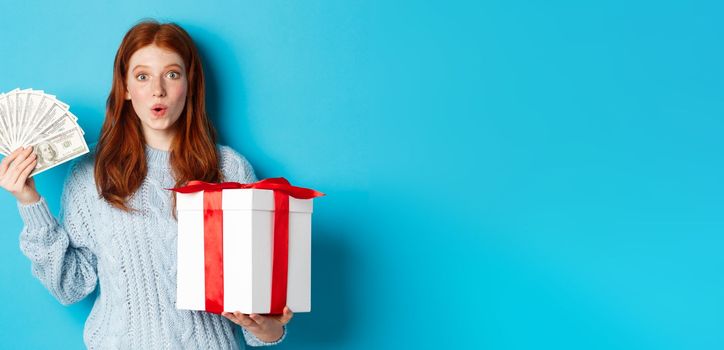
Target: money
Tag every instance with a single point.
(33, 118)
(59, 149)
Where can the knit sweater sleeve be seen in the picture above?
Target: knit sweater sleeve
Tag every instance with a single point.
(237, 168)
(59, 252)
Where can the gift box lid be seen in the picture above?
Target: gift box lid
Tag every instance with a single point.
(242, 199)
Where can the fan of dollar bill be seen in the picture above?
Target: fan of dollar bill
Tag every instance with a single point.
(33, 118)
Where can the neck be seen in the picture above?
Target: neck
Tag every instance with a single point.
(159, 139)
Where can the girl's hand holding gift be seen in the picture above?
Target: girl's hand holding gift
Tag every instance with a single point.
(266, 328)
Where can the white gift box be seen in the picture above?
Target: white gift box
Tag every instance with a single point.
(248, 233)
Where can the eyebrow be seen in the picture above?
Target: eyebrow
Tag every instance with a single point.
(145, 66)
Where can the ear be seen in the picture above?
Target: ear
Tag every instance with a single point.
(128, 95)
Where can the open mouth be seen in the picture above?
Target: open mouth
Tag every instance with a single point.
(159, 110)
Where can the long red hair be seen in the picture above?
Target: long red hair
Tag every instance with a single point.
(120, 164)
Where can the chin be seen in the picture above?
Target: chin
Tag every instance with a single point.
(159, 125)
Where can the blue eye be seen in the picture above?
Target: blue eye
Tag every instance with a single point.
(173, 75)
(142, 77)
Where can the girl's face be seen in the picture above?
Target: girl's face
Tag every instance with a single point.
(156, 85)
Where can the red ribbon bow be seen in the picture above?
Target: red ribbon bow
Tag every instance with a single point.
(214, 236)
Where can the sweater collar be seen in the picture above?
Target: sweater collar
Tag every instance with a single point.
(156, 158)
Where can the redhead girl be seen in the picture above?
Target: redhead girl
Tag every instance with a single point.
(117, 228)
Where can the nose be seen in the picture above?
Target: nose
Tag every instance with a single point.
(159, 90)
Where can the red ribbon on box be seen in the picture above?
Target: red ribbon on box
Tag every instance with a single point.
(214, 236)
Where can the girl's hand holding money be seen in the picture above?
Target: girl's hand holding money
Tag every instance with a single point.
(14, 171)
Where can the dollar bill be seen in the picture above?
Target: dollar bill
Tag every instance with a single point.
(12, 102)
(4, 134)
(31, 104)
(38, 104)
(20, 112)
(58, 150)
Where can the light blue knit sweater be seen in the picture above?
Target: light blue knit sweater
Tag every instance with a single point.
(129, 257)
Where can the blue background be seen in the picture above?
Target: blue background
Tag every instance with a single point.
(500, 174)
